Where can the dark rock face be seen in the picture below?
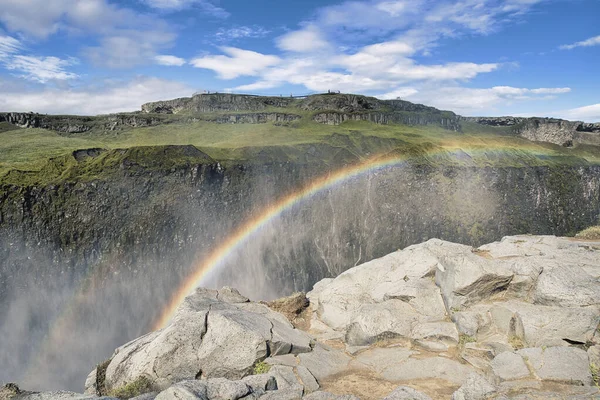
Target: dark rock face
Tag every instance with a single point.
(551, 130)
(68, 125)
(217, 102)
(494, 121)
(336, 118)
(592, 128)
(255, 118)
(123, 243)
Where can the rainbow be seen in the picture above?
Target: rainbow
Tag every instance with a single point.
(241, 235)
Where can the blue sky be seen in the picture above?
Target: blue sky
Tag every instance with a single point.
(474, 57)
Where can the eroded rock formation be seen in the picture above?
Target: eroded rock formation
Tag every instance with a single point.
(514, 319)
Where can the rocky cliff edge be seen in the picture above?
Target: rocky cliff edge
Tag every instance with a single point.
(515, 319)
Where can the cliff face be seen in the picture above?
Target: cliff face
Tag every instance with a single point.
(217, 102)
(331, 109)
(76, 124)
(409, 118)
(551, 130)
(122, 243)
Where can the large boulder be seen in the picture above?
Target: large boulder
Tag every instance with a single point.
(198, 342)
(466, 278)
(559, 364)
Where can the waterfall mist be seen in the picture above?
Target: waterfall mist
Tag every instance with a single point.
(61, 314)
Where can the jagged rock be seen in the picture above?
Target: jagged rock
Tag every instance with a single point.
(428, 368)
(198, 343)
(378, 313)
(146, 396)
(550, 326)
(329, 396)
(475, 388)
(373, 322)
(406, 393)
(307, 379)
(466, 278)
(559, 364)
(185, 390)
(378, 360)
(231, 295)
(12, 391)
(294, 307)
(223, 389)
(361, 293)
(509, 366)
(261, 382)
(494, 121)
(324, 361)
(292, 393)
(566, 286)
(285, 376)
(61, 395)
(444, 332)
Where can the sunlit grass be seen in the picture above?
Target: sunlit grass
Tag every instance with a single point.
(29, 149)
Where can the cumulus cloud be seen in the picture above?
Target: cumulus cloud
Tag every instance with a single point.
(110, 98)
(125, 37)
(474, 101)
(372, 47)
(236, 62)
(306, 40)
(593, 41)
(589, 113)
(128, 48)
(170, 61)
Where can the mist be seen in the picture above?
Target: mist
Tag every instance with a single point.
(61, 316)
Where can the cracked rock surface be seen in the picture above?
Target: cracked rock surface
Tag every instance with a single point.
(515, 319)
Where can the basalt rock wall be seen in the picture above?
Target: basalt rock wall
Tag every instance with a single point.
(113, 251)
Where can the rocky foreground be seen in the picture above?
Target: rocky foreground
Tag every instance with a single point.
(515, 319)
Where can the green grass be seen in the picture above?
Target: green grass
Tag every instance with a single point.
(464, 339)
(591, 233)
(595, 371)
(30, 149)
(138, 387)
(261, 367)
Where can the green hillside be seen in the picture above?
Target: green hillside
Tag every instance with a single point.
(39, 156)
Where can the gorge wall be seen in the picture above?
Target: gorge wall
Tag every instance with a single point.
(88, 265)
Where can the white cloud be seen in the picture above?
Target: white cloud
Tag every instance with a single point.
(551, 90)
(399, 93)
(171, 61)
(34, 68)
(8, 46)
(413, 28)
(126, 49)
(236, 63)
(42, 69)
(241, 32)
(112, 97)
(176, 5)
(306, 40)
(589, 113)
(476, 101)
(125, 37)
(593, 41)
(393, 8)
